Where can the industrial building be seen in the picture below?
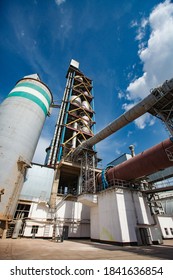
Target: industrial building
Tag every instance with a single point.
(69, 196)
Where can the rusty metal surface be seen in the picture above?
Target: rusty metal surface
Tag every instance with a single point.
(145, 163)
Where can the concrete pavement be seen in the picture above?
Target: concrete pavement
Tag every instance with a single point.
(41, 249)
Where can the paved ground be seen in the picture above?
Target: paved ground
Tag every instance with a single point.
(39, 249)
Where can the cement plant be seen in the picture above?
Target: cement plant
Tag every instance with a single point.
(128, 203)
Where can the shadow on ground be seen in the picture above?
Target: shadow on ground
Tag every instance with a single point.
(41, 249)
(163, 251)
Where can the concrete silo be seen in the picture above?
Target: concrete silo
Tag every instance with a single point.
(22, 115)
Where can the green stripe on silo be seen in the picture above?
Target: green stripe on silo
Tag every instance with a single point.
(36, 87)
(30, 97)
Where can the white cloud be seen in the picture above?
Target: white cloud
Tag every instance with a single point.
(59, 2)
(140, 28)
(142, 121)
(121, 95)
(129, 133)
(156, 56)
(134, 23)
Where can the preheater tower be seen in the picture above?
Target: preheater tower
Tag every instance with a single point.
(75, 124)
(76, 117)
(22, 115)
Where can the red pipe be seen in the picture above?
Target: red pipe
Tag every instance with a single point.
(145, 163)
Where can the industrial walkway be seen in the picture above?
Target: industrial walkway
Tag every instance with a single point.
(39, 249)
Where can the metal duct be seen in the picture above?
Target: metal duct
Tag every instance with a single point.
(138, 110)
(150, 161)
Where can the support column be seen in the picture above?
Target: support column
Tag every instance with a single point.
(55, 189)
(53, 200)
(88, 172)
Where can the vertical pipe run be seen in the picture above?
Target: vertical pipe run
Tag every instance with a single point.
(74, 136)
(131, 147)
(65, 120)
(55, 141)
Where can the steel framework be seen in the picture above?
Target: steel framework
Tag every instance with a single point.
(163, 108)
(88, 165)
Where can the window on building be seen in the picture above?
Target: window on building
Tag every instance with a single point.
(171, 229)
(22, 211)
(34, 229)
(166, 231)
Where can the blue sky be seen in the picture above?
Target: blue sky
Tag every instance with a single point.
(124, 46)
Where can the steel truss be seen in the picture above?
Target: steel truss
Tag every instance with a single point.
(163, 109)
(154, 204)
(88, 162)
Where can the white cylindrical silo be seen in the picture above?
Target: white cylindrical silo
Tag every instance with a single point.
(79, 78)
(86, 119)
(86, 93)
(22, 115)
(85, 129)
(86, 105)
(75, 100)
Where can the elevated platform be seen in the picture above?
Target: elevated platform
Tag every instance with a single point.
(164, 189)
(163, 108)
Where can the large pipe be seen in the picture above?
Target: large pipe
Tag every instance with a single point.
(138, 110)
(145, 163)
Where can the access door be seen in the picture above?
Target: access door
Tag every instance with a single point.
(145, 236)
(65, 232)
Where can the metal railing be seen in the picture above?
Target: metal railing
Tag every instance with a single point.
(118, 183)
